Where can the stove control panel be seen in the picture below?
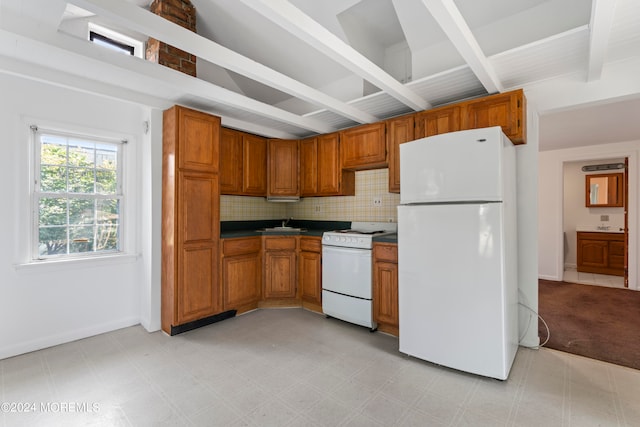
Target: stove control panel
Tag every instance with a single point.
(347, 241)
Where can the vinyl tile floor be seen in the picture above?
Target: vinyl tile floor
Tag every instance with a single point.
(573, 276)
(291, 367)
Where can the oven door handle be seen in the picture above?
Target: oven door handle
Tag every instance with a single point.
(351, 251)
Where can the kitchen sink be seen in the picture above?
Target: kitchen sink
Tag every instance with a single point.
(281, 229)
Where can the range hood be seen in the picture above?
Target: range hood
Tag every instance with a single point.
(283, 199)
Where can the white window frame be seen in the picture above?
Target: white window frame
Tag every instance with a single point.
(138, 46)
(91, 136)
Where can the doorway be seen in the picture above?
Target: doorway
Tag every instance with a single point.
(595, 240)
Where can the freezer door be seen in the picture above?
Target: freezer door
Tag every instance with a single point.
(457, 292)
(456, 166)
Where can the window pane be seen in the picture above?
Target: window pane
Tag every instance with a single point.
(81, 180)
(106, 156)
(108, 211)
(52, 211)
(81, 211)
(53, 151)
(81, 153)
(106, 181)
(52, 240)
(107, 237)
(53, 178)
(81, 239)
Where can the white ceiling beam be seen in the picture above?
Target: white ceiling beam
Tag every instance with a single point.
(40, 39)
(296, 22)
(140, 20)
(448, 16)
(602, 12)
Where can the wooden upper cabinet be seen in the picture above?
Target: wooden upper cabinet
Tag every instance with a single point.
(230, 161)
(198, 136)
(399, 130)
(254, 182)
(320, 171)
(364, 147)
(283, 167)
(437, 121)
(309, 167)
(504, 109)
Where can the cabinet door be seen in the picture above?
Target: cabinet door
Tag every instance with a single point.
(241, 278)
(230, 161)
(198, 140)
(197, 292)
(385, 293)
(309, 167)
(437, 121)
(616, 255)
(280, 274)
(283, 168)
(310, 276)
(254, 181)
(364, 147)
(398, 131)
(505, 110)
(332, 179)
(593, 253)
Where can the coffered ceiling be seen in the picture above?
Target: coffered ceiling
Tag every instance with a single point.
(292, 68)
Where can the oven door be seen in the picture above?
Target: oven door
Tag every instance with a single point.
(347, 271)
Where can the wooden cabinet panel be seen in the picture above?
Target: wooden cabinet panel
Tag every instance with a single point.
(310, 272)
(309, 167)
(195, 136)
(600, 253)
(280, 274)
(364, 147)
(254, 182)
(399, 130)
(199, 193)
(437, 121)
(230, 161)
(283, 168)
(505, 109)
(190, 218)
(198, 297)
(332, 179)
(241, 273)
(385, 287)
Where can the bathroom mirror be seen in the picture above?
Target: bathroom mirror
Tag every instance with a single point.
(604, 190)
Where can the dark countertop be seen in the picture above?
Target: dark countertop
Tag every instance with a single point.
(232, 229)
(387, 238)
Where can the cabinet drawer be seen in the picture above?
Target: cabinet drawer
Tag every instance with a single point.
(385, 252)
(311, 244)
(240, 246)
(280, 243)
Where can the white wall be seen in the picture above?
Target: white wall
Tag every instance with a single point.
(44, 305)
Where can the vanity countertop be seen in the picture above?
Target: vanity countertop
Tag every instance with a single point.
(600, 228)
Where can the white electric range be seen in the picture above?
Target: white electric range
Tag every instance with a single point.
(347, 287)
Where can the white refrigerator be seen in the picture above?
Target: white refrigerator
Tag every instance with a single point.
(457, 251)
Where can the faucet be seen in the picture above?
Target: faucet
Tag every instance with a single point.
(285, 222)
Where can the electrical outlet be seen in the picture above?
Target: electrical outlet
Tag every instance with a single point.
(377, 201)
(317, 208)
(604, 217)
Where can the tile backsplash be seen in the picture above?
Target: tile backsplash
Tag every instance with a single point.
(370, 185)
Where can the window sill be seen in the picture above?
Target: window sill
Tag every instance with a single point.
(89, 262)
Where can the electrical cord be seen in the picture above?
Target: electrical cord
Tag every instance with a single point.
(529, 324)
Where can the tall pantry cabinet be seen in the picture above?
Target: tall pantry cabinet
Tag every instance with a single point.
(190, 219)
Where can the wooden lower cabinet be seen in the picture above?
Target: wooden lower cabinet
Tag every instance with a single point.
(280, 270)
(310, 273)
(601, 253)
(241, 273)
(385, 287)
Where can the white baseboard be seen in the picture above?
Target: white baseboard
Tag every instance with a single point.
(52, 340)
